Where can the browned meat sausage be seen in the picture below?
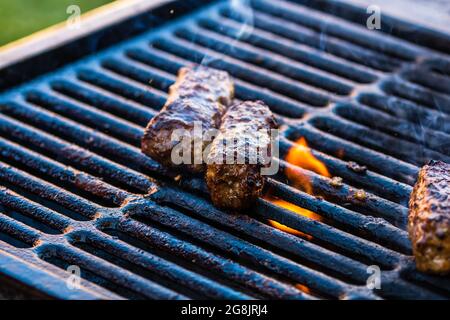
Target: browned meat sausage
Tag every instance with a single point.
(200, 94)
(237, 184)
(429, 218)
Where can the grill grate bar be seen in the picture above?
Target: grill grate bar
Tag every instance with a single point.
(244, 90)
(105, 101)
(294, 245)
(269, 42)
(18, 230)
(244, 71)
(435, 140)
(101, 121)
(85, 137)
(110, 272)
(392, 212)
(382, 185)
(416, 93)
(64, 175)
(438, 65)
(375, 140)
(439, 284)
(40, 276)
(47, 216)
(267, 60)
(321, 41)
(134, 91)
(226, 268)
(395, 287)
(424, 77)
(366, 226)
(157, 265)
(376, 161)
(135, 71)
(340, 28)
(242, 249)
(407, 110)
(74, 154)
(47, 191)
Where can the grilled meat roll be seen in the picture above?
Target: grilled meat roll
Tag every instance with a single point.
(429, 218)
(233, 178)
(201, 95)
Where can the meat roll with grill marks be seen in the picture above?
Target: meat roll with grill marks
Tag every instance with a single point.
(233, 179)
(429, 218)
(200, 95)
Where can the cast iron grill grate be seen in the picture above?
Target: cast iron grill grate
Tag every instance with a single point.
(74, 182)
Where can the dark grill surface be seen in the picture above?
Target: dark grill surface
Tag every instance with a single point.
(73, 181)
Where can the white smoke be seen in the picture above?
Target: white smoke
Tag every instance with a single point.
(246, 17)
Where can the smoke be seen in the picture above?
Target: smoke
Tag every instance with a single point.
(243, 10)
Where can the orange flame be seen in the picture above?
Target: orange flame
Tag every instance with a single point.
(299, 210)
(303, 288)
(300, 155)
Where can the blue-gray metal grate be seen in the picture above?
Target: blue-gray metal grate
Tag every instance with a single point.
(74, 182)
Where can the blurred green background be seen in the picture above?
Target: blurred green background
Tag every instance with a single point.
(19, 18)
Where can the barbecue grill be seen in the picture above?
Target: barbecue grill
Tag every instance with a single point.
(75, 189)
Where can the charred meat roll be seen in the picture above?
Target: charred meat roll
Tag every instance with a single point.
(199, 96)
(429, 218)
(233, 172)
